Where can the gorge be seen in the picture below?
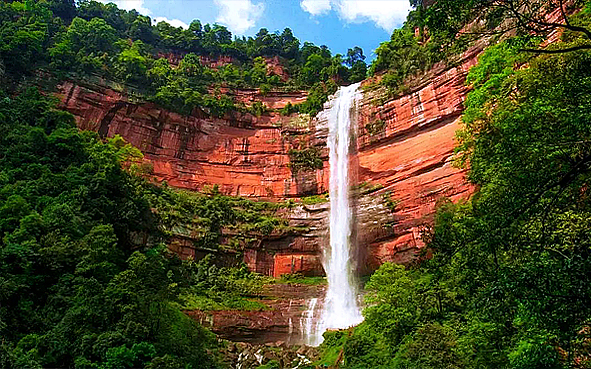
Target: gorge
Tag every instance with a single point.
(182, 197)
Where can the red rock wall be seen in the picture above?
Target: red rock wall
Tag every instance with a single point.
(412, 157)
(243, 154)
(248, 156)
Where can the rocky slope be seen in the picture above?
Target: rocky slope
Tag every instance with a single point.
(282, 322)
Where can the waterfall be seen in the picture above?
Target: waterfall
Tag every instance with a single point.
(340, 309)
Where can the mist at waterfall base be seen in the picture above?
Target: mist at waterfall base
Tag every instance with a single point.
(340, 308)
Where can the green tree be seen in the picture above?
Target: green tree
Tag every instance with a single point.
(132, 62)
(77, 288)
(449, 17)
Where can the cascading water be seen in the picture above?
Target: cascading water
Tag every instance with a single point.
(340, 309)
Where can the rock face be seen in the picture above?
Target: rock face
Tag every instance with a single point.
(405, 146)
(403, 160)
(243, 154)
(403, 165)
(283, 320)
(294, 254)
(271, 355)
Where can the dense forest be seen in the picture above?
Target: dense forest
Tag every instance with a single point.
(86, 280)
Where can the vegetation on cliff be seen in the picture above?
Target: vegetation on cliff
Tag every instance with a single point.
(305, 159)
(77, 288)
(95, 39)
(86, 279)
(439, 31)
(508, 283)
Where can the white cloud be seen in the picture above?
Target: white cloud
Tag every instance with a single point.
(316, 7)
(239, 15)
(387, 14)
(172, 22)
(130, 5)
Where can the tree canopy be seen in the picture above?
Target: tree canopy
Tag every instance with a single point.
(91, 38)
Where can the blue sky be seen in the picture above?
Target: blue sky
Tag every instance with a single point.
(339, 24)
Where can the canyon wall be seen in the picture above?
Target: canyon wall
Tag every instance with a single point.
(404, 161)
(405, 148)
(242, 154)
(403, 165)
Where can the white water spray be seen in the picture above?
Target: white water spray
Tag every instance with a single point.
(340, 309)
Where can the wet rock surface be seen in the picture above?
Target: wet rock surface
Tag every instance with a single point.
(282, 321)
(241, 355)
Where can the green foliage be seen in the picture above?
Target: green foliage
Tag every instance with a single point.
(375, 127)
(213, 221)
(200, 301)
(215, 288)
(535, 352)
(289, 109)
(331, 348)
(258, 108)
(297, 278)
(132, 62)
(355, 60)
(407, 55)
(315, 199)
(306, 159)
(366, 187)
(317, 96)
(453, 19)
(431, 346)
(272, 364)
(398, 304)
(507, 283)
(77, 287)
(391, 203)
(93, 38)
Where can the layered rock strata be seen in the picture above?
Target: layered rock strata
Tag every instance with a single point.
(402, 169)
(406, 147)
(404, 156)
(242, 154)
(282, 321)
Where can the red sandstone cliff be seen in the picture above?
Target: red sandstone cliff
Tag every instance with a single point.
(411, 156)
(243, 154)
(409, 159)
